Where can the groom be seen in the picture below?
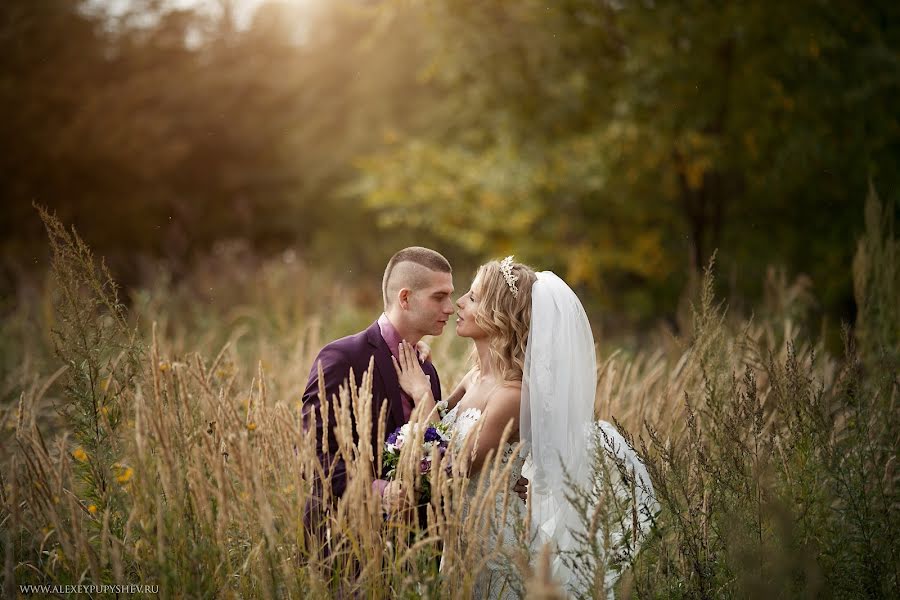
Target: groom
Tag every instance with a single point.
(416, 289)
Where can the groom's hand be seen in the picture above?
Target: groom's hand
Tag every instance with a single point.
(393, 500)
(521, 488)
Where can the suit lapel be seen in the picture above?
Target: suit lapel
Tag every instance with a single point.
(384, 369)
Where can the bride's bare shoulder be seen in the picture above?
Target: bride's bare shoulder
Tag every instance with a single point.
(502, 406)
(510, 392)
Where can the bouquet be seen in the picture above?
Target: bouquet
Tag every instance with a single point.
(436, 436)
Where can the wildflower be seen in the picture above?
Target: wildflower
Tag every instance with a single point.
(164, 366)
(92, 509)
(251, 426)
(80, 455)
(104, 410)
(125, 475)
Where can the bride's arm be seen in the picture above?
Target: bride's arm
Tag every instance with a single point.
(460, 391)
(502, 411)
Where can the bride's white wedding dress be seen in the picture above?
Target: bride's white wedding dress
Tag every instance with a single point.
(497, 579)
(560, 435)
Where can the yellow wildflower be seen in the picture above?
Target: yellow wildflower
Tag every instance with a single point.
(164, 366)
(80, 455)
(92, 509)
(251, 426)
(125, 475)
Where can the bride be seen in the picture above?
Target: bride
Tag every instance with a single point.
(535, 371)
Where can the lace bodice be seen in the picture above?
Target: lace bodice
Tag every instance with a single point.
(461, 422)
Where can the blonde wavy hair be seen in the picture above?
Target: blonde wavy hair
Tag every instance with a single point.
(504, 318)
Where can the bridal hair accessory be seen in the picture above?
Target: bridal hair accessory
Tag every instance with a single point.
(506, 269)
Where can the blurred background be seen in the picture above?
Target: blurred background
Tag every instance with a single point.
(199, 145)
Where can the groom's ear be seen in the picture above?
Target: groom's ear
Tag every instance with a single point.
(403, 298)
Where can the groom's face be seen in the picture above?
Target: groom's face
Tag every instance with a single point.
(431, 306)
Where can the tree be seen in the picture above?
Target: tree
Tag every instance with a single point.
(623, 142)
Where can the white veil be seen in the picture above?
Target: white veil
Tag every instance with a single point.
(559, 385)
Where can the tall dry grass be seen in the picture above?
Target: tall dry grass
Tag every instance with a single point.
(179, 457)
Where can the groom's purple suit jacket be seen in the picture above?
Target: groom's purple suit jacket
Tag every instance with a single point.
(337, 358)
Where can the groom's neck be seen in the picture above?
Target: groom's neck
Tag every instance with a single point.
(406, 333)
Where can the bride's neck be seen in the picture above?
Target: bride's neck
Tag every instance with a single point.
(483, 347)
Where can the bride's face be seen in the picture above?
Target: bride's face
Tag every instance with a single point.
(466, 306)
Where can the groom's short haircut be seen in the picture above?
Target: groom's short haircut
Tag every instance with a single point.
(407, 269)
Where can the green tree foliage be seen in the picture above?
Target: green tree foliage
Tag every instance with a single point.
(618, 143)
(623, 142)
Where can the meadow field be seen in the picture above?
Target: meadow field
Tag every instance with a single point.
(161, 444)
(703, 175)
